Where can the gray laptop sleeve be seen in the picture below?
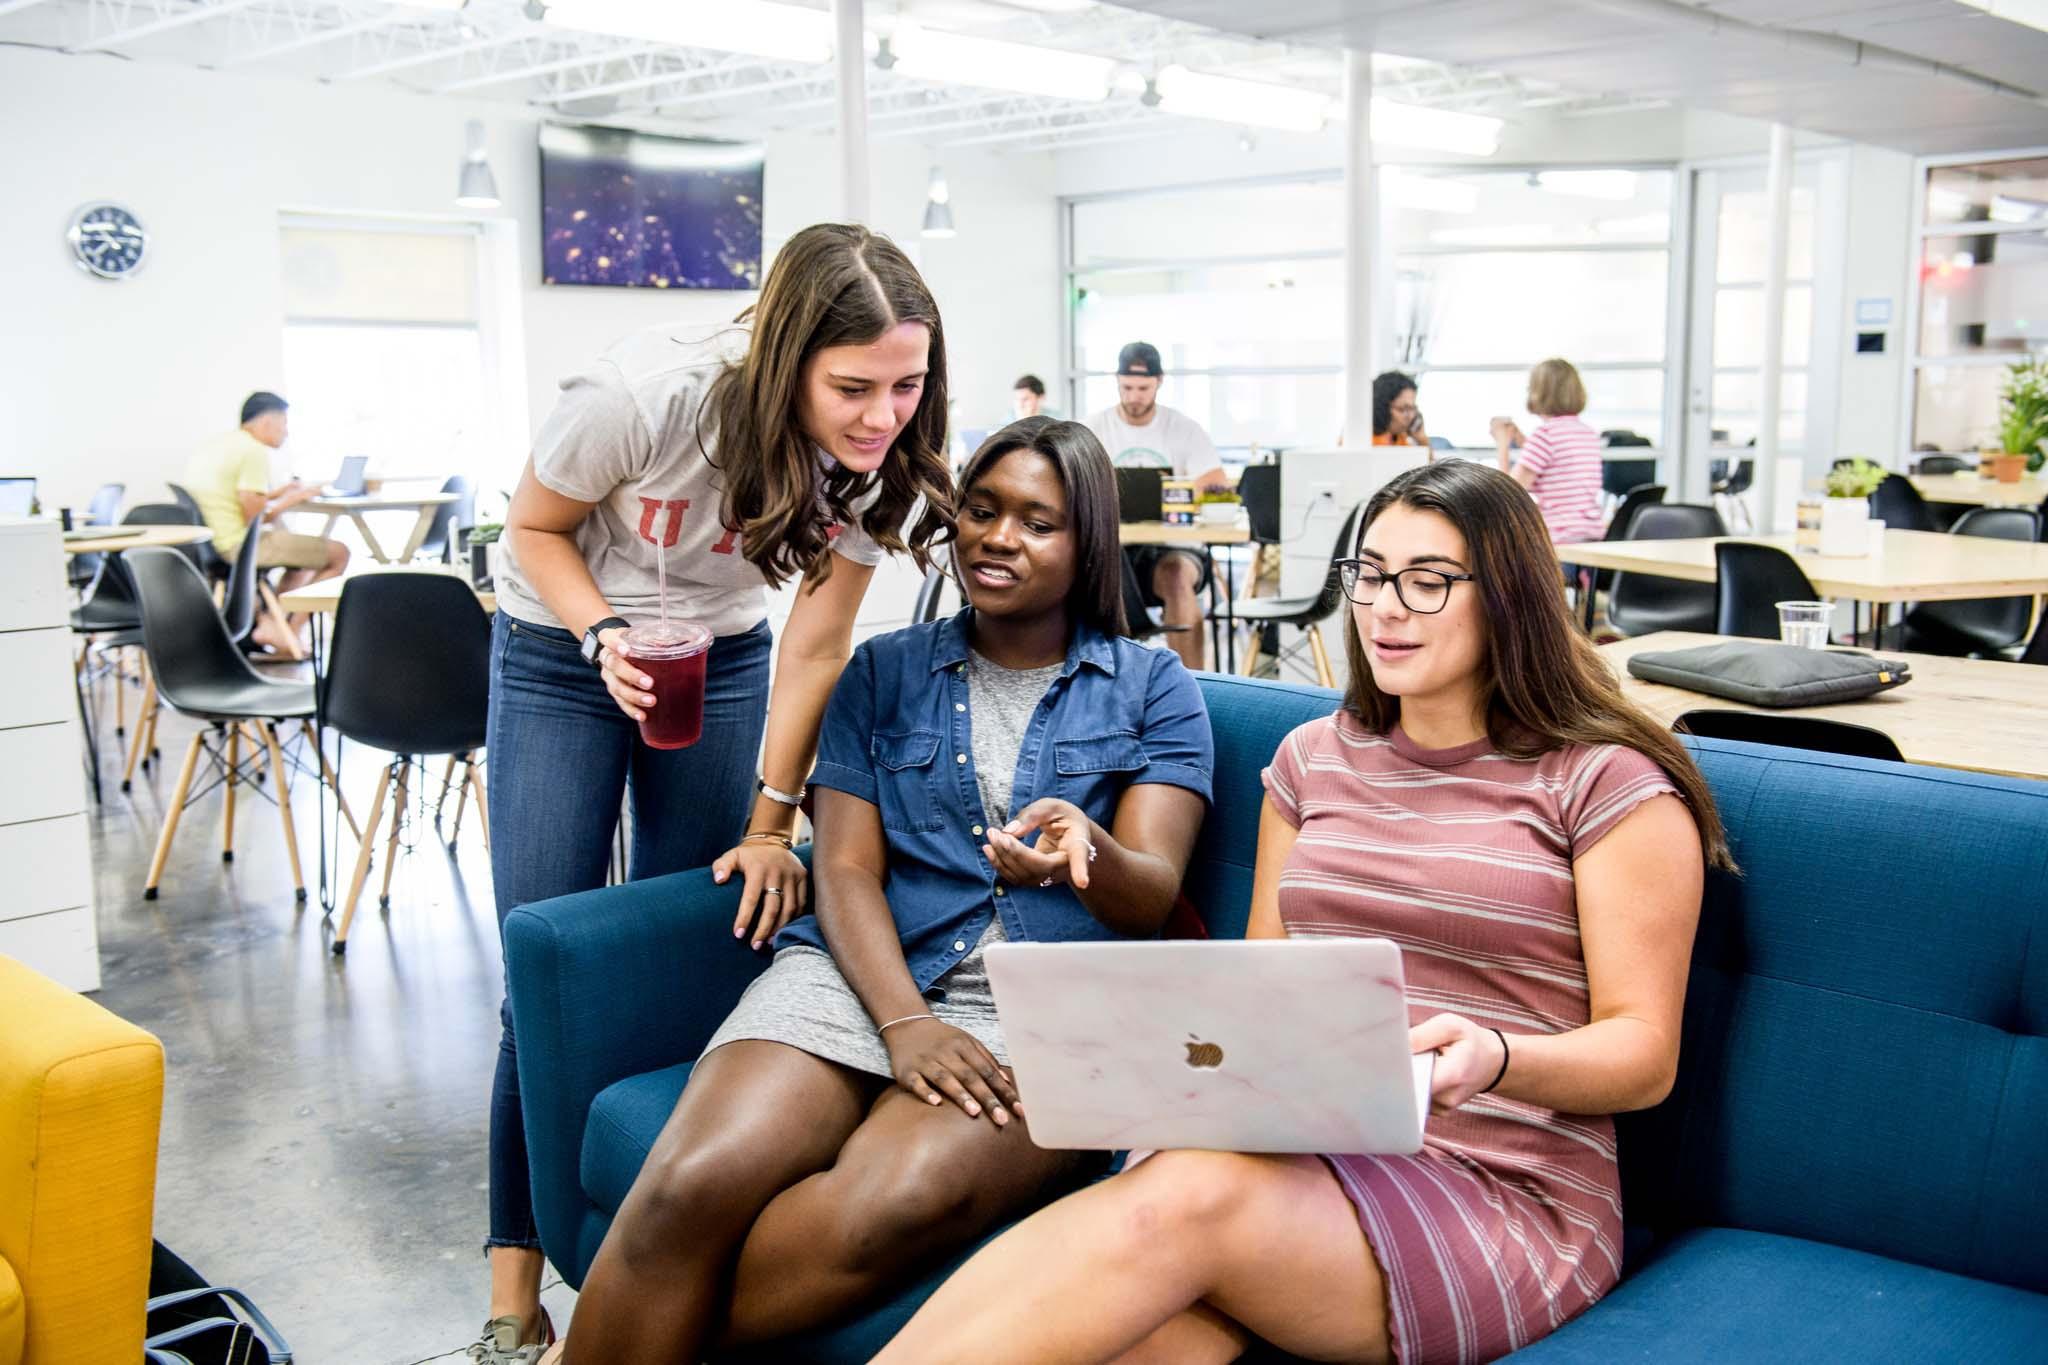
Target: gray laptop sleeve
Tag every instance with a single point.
(1758, 673)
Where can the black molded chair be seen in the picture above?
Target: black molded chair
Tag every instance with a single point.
(1259, 487)
(439, 540)
(2036, 651)
(101, 511)
(1943, 464)
(201, 673)
(1791, 732)
(1632, 502)
(1749, 582)
(1617, 477)
(1900, 507)
(206, 555)
(409, 673)
(1977, 625)
(1641, 603)
(1732, 486)
(1306, 614)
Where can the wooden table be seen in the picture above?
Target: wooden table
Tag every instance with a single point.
(1969, 489)
(1201, 535)
(322, 598)
(115, 541)
(1916, 566)
(383, 500)
(1974, 714)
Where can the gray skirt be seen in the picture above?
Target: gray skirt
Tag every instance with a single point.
(804, 1001)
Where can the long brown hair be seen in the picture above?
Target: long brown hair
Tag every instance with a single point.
(1544, 683)
(832, 284)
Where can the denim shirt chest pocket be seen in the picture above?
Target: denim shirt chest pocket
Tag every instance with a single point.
(1092, 770)
(906, 780)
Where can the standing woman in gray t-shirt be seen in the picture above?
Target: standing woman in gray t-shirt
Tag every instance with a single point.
(793, 444)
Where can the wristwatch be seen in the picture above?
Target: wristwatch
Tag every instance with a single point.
(591, 644)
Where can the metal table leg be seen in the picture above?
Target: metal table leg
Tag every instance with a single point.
(92, 743)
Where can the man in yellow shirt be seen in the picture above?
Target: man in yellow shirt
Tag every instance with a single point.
(229, 478)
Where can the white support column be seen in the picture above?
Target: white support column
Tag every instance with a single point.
(1361, 231)
(850, 54)
(1778, 199)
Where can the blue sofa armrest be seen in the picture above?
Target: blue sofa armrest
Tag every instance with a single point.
(604, 985)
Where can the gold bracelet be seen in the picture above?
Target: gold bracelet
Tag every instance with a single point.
(908, 1018)
(766, 835)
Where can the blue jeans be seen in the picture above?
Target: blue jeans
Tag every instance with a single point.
(562, 758)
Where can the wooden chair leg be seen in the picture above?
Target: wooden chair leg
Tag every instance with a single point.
(227, 838)
(327, 776)
(447, 781)
(397, 819)
(362, 872)
(150, 751)
(274, 611)
(1252, 648)
(1315, 645)
(144, 723)
(461, 804)
(171, 814)
(483, 814)
(284, 809)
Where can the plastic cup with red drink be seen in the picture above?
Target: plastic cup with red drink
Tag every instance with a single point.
(673, 655)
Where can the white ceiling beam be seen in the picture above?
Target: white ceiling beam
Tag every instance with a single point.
(1092, 126)
(428, 56)
(149, 30)
(569, 63)
(8, 7)
(1139, 131)
(689, 98)
(315, 39)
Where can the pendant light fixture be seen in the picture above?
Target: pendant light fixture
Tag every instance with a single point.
(938, 206)
(478, 189)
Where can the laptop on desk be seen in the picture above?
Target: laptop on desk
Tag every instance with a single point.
(352, 481)
(1140, 494)
(17, 496)
(1263, 1045)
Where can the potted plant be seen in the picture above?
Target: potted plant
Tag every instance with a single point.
(2022, 420)
(1845, 512)
(482, 541)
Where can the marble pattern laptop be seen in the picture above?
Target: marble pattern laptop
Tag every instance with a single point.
(1264, 1045)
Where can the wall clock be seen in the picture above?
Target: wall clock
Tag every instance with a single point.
(107, 240)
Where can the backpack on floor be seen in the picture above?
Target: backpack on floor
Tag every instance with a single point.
(191, 1322)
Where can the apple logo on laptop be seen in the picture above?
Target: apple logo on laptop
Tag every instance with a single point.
(1203, 1056)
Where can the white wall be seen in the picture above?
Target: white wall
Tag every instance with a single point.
(1875, 250)
(104, 381)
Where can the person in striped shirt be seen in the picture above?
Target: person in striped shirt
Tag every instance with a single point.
(1559, 462)
(1536, 845)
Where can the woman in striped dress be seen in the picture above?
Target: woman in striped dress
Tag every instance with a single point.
(1559, 462)
(1488, 800)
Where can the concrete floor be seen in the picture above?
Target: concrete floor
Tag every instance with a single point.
(324, 1118)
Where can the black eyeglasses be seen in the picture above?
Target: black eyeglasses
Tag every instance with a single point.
(1420, 590)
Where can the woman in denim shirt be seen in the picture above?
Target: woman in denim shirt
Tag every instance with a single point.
(1021, 771)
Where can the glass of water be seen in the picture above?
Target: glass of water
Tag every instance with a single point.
(1804, 623)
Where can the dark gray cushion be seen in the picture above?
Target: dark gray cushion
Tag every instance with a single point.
(1763, 674)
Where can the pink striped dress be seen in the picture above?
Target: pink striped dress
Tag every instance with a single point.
(1564, 455)
(1508, 1223)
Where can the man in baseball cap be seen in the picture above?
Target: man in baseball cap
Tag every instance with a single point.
(1140, 432)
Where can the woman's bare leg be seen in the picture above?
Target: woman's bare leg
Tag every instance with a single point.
(1268, 1242)
(755, 1118)
(913, 1184)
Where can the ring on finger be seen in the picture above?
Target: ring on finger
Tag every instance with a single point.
(1046, 882)
(771, 891)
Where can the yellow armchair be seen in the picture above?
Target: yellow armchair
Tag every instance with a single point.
(81, 1096)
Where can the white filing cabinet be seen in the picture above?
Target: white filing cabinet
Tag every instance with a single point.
(46, 913)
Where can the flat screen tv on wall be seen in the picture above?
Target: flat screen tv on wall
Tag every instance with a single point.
(636, 210)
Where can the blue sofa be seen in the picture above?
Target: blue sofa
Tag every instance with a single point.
(1852, 1167)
